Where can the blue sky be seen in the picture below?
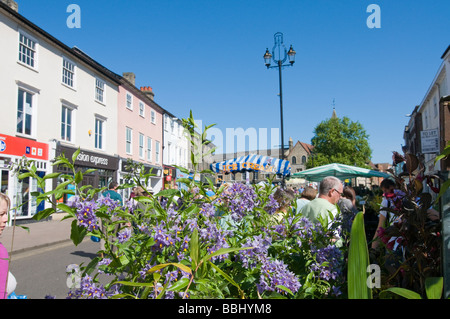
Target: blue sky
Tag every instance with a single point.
(206, 56)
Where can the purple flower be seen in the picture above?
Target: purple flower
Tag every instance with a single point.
(272, 206)
(328, 262)
(251, 257)
(108, 202)
(208, 210)
(86, 214)
(275, 273)
(124, 236)
(89, 290)
(240, 199)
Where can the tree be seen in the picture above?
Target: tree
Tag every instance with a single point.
(340, 141)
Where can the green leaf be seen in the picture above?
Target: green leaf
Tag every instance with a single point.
(444, 188)
(406, 293)
(161, 266)
(52, 175)
(135, 284)
(66, 209)
(194, 249)
(433, 287)
(358, 261)
(180, 284)
(168, 192)
(75, 155)
(92, 266)
(285, 289)
(24, 175)
(77, 233)
(44, 214)
(78, 177)
(230, 280)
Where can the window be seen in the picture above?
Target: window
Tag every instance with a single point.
(99, 133)
(27, 50)
(25, 112)
(303, 159)
(157, 152)
(153, 116)
(99, 90)
(68, 75)
(128, 140)
(141, 145)
(129, 101)
(166, 122)
(66, 124)
(294, 160)
(141, 109)
(149, 149)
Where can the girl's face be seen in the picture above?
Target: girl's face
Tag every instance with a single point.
(3, 215)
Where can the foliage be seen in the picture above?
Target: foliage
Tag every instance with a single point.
(358, 261)
(185, 244)
(444, 155)
(340, 141)
(433, 288)
(413, 244)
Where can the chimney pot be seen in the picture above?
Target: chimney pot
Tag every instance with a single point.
(130, 77)
(12, 4)
(148, 91)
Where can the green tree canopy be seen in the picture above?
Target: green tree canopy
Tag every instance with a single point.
(339, 140)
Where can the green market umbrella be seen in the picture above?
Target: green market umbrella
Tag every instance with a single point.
(340, 171)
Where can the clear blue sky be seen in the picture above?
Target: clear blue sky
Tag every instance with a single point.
(207, 56)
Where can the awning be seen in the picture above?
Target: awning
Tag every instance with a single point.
(253, 162)
(340, 171)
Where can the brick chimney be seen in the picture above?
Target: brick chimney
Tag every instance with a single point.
(12, 4)
(130, 77)
(148, 91)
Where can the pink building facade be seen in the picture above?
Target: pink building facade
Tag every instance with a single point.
(139, 132)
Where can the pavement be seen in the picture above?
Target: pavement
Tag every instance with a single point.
(39, 234)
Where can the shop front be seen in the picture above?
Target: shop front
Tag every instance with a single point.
(170, 176)
(106, 168)
(17, 152)
(126, 177)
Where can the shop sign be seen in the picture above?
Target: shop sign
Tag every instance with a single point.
(91, 159)
(17, 146)
(148, 169)
(430, 141)
(250, 166)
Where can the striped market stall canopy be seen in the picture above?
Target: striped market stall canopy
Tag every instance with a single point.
(253, 162)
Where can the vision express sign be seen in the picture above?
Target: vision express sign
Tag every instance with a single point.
(91, 159)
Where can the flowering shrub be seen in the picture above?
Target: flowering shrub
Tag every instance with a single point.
(186, 244)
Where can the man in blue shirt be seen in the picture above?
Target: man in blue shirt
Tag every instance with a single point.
(113, 194)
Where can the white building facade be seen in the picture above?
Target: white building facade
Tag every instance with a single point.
(175, 150)
(429, 108)
(55, 99)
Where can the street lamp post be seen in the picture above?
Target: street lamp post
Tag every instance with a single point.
(280, 55)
